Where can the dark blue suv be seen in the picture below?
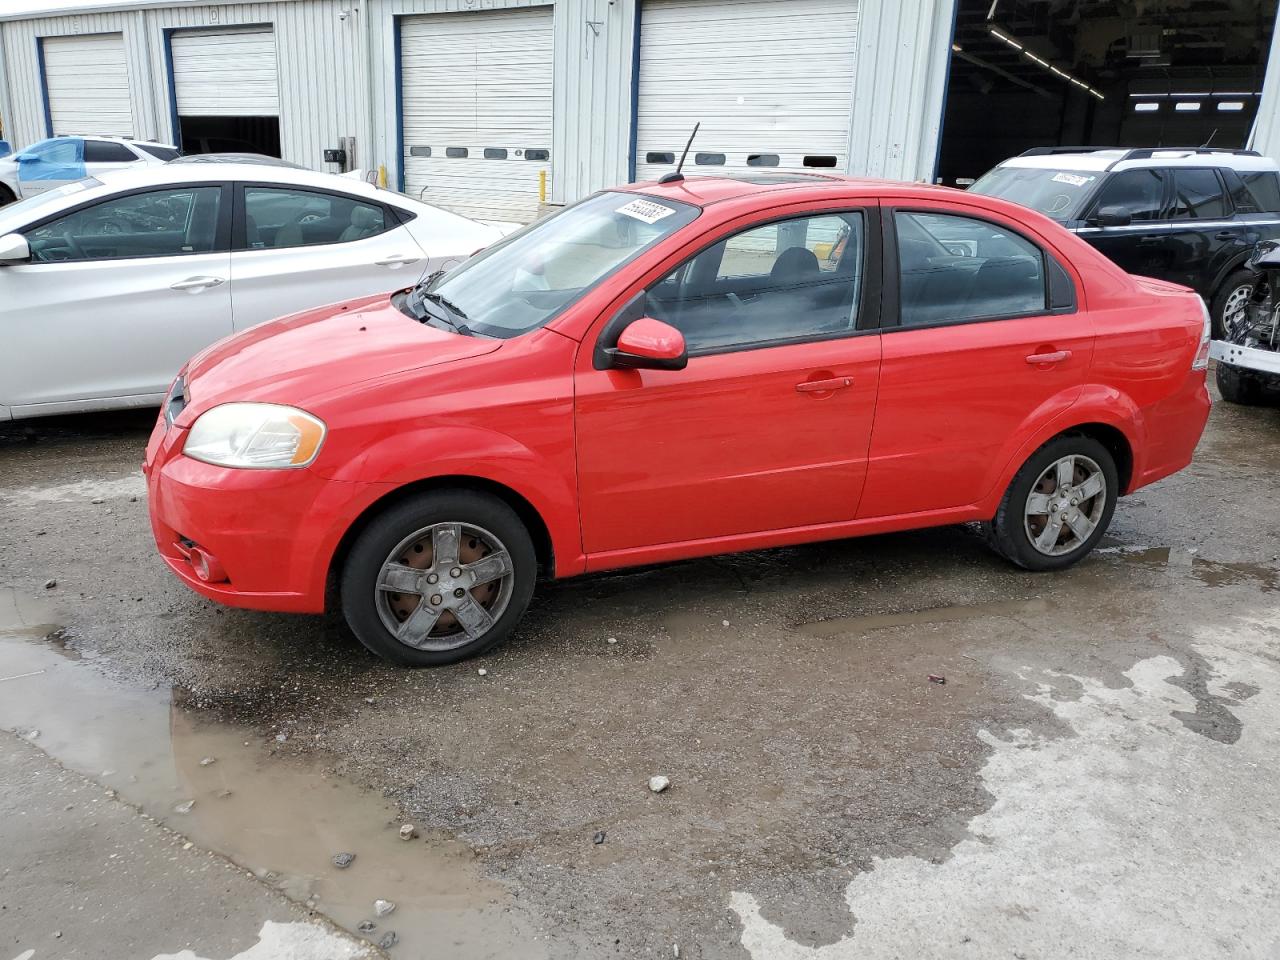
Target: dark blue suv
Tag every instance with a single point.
(1188, 215)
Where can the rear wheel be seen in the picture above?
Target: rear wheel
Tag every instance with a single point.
(1058, 505)
(1230, 302)
(438, 578)
(1236, 385)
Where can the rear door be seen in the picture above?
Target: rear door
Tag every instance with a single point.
(984, 330)
(117, 296)
(1204, 235)
(297, 248)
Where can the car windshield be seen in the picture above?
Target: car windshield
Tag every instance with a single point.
(17, 214)
(1059, 194)
(526, 279)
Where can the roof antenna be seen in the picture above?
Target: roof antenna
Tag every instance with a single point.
(675, 175)
(1210, 140)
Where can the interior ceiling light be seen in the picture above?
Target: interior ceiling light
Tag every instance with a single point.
(1005, 38)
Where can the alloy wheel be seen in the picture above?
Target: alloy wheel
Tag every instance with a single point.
(1233, 310)
(1065, 505)
(444, 586)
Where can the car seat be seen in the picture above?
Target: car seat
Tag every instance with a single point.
(365, 222)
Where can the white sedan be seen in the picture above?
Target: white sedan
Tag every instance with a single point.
(109, 284)
(58, 160)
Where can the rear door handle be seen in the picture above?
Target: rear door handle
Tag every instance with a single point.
(824, 386)
(398, 260)
(196, 283)
(1057, 356)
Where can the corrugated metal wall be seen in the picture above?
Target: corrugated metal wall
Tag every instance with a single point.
(1266, 129)
(321, 64)
(904, 51)
(591, 86)
(25, 122)
(321, 60)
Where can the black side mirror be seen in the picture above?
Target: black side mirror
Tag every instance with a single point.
(1111, 216)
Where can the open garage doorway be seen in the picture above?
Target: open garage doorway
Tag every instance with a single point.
(1118, 73)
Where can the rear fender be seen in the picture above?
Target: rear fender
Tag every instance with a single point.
(481, 454)
(1092, 403)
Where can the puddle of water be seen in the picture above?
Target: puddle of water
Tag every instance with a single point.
(280, 818)
(1211, 573)
(1005, 608)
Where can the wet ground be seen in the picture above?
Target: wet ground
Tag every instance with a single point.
(1094, 777)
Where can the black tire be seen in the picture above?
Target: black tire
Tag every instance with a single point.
(375, 543)
(6, 195)
(1007, 532)
(1236, 385)
(1236, 280)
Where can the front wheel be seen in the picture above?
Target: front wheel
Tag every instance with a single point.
(438, 578)
(1058, 505)
(6, 195)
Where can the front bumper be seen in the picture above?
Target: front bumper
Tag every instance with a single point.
(1249, 358)
(272, 532)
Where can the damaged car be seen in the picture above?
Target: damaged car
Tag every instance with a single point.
(1248, 367)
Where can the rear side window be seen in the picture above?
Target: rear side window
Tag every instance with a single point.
(1264, 190)
(280, 218)
(160, 153)
(98, 151)
(1198, 195)
(955, 268)
(1140, 193)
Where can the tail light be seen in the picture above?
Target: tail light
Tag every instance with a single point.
(1201, 361)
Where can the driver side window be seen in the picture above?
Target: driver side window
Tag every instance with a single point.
(159, 223)
(788, 280)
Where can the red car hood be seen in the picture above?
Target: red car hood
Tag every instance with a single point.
(294, 358)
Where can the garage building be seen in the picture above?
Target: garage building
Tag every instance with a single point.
(495, 108)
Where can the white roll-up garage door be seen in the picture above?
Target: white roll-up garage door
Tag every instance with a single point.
(88, 85)
(477, 110)
(226, 73)
(771, 82)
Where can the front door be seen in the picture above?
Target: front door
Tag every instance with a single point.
(117, 297)
(1142, 246)
(984, 342)
(768, 425)
(298, 248)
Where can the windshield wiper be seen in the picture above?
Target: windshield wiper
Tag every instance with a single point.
(448, 310)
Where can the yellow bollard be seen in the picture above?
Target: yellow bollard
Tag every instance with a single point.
(382, 176)
(542, 186)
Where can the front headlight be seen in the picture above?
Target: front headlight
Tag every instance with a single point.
(262, 435)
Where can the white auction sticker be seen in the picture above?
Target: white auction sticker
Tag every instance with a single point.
(645, 210)
(1075, 179)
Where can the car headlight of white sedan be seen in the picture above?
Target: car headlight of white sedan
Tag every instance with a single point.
(255, 435)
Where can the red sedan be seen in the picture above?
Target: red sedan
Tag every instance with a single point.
(669, 371)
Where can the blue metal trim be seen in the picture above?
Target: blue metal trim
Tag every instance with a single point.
(946, 90)
(396, 24)
(175, 127)
(44, 87)
(634, 137)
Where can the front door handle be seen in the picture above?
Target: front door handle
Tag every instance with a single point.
(398, 260)
(196, 283)
(824, 386)
(1224, 235)
(1056, 356)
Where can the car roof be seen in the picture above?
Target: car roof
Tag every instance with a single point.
(231, 170)
(1125, 159)
(703, 191)
(128, 141)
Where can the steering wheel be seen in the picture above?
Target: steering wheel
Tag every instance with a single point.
(72, 244)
